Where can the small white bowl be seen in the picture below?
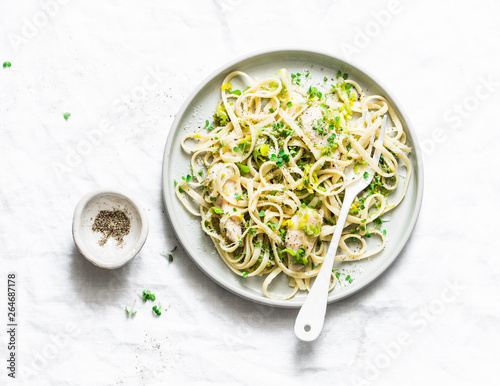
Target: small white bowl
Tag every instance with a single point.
(110, 255)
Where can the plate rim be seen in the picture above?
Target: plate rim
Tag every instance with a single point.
(419, 174)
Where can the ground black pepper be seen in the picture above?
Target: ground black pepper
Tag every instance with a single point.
(111, 223)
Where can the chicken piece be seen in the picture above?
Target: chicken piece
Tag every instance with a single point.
(231, 222)
(303, 233)
(309, 120)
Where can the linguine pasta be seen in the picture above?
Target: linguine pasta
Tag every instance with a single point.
(268, 174)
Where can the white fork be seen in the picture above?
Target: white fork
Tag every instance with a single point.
(311, 317)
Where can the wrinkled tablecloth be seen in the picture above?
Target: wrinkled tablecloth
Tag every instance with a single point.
(123, 69)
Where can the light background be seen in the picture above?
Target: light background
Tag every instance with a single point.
(432, 318)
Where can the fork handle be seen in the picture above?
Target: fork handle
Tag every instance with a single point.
(311, 317)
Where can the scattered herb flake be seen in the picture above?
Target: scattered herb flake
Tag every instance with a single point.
(131, 312)
(147, 295)
(157, 309)
(243, 168)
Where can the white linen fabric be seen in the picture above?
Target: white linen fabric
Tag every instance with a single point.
(123, 69)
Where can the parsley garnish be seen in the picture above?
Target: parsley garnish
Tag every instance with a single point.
(65, 115)
(243, 168)
(7, 64)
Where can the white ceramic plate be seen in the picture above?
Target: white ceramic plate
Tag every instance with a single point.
(200, 106)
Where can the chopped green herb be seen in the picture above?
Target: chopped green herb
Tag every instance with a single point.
(300, 257)
(243, 168)
(147, 295)
(245, 274)
(65, 115)
(7, 64)
(217, 210)
(170, 257)
(262, 213)
(296, 78)
(289, 104)
(157, 310)
(131, 312)
(348, 278)
(281, 158)
(366, 175)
